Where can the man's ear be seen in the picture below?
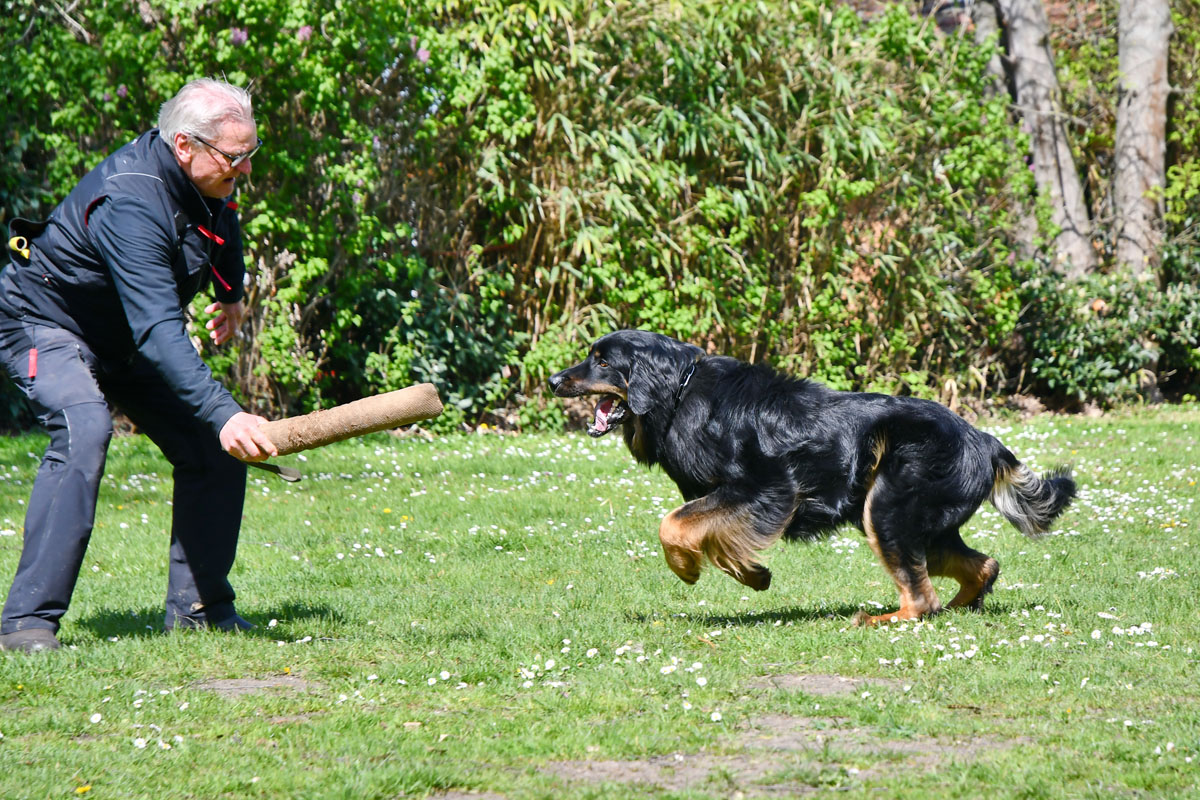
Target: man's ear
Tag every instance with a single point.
(183, 148)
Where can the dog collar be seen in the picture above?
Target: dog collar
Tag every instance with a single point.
(686, 380)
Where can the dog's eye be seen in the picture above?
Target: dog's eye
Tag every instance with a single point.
(602, 362)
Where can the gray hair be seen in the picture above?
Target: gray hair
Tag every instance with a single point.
(202, 107)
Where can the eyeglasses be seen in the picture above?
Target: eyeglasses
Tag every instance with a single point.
(234, 160)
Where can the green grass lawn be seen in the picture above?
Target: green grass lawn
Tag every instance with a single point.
(491, 617)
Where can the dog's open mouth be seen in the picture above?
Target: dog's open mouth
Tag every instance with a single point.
(610, 411)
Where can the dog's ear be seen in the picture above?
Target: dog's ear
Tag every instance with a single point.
(655, 371)
(643, 382)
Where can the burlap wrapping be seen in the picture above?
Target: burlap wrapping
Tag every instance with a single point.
(369, 415)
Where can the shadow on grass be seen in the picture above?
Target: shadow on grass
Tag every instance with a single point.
(785, 615)
(752, 618)
(844, 612)
(148, 622)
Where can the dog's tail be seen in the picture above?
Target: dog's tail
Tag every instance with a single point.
(1028, 501)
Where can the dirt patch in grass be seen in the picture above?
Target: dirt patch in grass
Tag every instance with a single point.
(675, 772)
(782, 755)
(836, 740)
(295, 719)
(821, 685)
(232, 687)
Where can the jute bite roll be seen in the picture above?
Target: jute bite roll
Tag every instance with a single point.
(369, 415)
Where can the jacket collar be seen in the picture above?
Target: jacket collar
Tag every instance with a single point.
(179, 186)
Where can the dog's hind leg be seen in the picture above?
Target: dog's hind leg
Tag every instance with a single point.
(975, 572)
(728, 533)
(894, 546)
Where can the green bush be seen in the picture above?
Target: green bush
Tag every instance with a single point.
(779, 182)
(1102, 340)
(459, 340)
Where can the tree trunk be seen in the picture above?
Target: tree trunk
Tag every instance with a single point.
(1036, 87)
(986, 18)
(1144, 29)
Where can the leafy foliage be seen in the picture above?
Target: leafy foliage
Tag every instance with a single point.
(788, 185)
(466, 192)
(1182, 194)
(1100, 338)
(1142, 329)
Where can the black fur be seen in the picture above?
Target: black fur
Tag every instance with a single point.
(759, 455)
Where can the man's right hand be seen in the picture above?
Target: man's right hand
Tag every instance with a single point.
(243, 439)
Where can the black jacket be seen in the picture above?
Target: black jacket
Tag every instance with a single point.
(120, 259)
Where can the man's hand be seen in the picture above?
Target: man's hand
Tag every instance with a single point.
(243, 439)
(224, 325)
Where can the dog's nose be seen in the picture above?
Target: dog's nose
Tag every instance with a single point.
(556, 380)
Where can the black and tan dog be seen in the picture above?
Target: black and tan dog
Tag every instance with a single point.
(759, 456)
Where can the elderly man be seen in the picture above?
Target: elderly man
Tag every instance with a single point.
(92, 312)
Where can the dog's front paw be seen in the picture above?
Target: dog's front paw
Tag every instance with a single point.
(758, 579)
(684, 563)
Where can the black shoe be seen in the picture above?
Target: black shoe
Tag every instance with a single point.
(30, 640)
(234, 622)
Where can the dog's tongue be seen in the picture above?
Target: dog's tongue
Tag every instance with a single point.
(603, 409)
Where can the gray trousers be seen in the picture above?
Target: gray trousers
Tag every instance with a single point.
(69, 389)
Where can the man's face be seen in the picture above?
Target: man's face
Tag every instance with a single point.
(208, 168)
